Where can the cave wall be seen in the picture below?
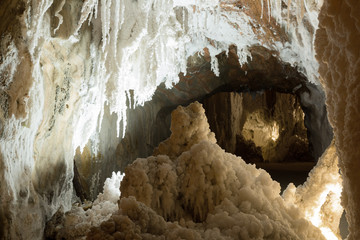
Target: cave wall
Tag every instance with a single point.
(259, 126)
(16, 146)
(149, 124)
(320, 133)
(338, 51)
(62, 67)
(194, 189)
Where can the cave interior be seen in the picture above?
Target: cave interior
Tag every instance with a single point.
(166, 119)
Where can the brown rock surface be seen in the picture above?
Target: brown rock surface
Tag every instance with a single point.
(259, 126)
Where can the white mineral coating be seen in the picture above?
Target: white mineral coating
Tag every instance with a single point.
(319, 196)
(76, 223)
(60, 65)
(194, 189)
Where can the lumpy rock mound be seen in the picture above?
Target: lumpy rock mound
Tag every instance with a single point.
(193, 189)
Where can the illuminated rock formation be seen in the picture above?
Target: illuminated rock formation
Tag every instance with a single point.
(70, 70)
(198, 191)
(259, 126)
(338, 51)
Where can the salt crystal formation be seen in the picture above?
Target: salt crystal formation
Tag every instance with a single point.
(63, 61)
(198, 191)
(338, 51)
(77, 222)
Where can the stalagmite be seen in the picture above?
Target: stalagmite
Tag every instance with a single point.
(194, 189)
(71, 70)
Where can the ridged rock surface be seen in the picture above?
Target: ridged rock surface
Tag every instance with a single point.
(259, 126)
(338, 51)
(72, 73)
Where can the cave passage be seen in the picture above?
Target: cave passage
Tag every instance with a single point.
(266, 126)
(73, 72)
(264, 79)
(263, 127)
(270, 116)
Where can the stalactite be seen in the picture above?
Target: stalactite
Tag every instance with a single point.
(63, 75)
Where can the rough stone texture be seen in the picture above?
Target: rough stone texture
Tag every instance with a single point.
(148, 125)
(94, 166)
(199, 191)
(338, 51)
(15, 84)
(259, 126)
(44, 118)
(33, 190)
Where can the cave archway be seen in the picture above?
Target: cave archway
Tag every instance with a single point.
(139, 141)
(148, 125)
